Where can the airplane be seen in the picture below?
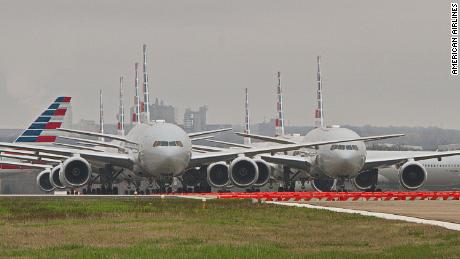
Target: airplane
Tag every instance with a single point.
(42, 131)
(151, 150)
(330, 166)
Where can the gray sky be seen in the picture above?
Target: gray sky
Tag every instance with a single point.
(383, 62)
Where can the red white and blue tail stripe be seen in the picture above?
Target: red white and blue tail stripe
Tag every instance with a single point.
(43, 129)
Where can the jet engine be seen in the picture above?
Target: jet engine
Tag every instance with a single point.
(217, 175)
(244, 172)
(75, 172)
(412, 175)
(54, 177)
(43, 181)
(366, 180)
(323, 185)
(264, 172)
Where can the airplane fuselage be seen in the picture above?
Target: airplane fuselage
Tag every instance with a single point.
(164, 149)
(338, 160)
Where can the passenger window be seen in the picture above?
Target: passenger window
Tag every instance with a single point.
(349, 147)
(164, 143)
(341, 147)
(333, 147)
(355, 147)
(156, 143)
(179, 144)
(172, 143)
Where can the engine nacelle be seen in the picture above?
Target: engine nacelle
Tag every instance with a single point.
(264, 172)
(323, 185)
(75, 172)
(217, 175)
(243, 172)
(54, 177)
(412, 175)
(366, 180)
(43, 181)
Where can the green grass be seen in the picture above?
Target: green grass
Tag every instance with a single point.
(177, 228)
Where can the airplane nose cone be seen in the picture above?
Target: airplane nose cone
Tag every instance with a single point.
(171, 161)
(343, 164)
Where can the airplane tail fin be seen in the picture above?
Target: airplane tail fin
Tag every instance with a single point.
(121, 112)
(319, 114)
(279, 121)
(246, 119)
(43, 129)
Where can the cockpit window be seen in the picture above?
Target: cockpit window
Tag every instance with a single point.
(167, 144)
(344, 147)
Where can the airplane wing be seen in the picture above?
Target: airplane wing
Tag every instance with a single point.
(201, 133)
(95, 134)
(266, 138)
(394, 159)
(116, 159)
(207, 148)
(297, 162)
(94, 142)
(286, 141)
(228, 143)
(30, 165)
(227, 154)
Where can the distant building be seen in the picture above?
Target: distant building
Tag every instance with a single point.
(195, 120)
(449, 147)
(266, 128)
(160, 111)
(87, 125)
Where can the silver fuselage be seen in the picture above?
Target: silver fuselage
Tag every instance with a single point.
(443, 175)
(337, 162)
(156, 161)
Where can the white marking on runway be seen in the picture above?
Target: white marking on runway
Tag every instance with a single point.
(448, 225)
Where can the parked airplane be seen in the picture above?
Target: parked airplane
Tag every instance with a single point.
(151, 150)
(42, 131)
(330, 165)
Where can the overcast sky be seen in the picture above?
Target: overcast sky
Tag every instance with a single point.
(383, 62)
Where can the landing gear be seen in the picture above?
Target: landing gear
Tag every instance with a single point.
(340, 185)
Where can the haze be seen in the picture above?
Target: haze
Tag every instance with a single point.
(384, 62)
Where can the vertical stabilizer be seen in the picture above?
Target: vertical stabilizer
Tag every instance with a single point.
(319, 113)
(246, 118)
(121, 112)
(101, 113)
(146, 106)
(137, 103)
(279, 121)
(43, 129)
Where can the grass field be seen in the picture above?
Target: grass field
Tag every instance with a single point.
(178, 228)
